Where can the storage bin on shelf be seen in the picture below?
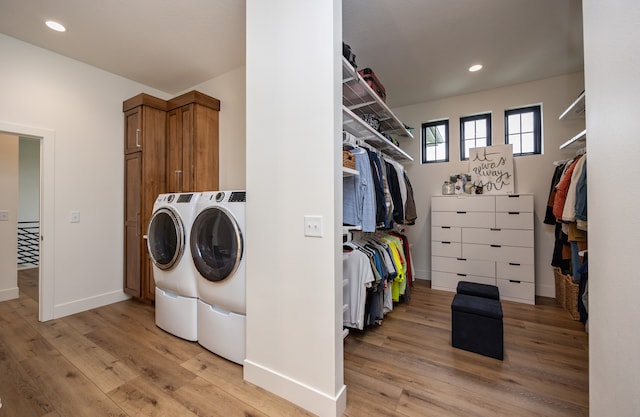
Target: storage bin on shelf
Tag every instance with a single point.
(348, 160)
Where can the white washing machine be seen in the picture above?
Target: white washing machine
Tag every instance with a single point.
(173, 271)
(217, 251)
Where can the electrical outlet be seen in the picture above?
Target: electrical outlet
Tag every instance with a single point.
(313, 226)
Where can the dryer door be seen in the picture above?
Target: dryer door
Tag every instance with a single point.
(165, 238)
(216, 244)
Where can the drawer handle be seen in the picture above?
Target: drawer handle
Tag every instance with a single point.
(514, 212)
(514, 281)
(496, 246)
(461, 212)
(514, 195)
(514, 264)
(461, 259)
(445, 227)
(461, 275)
(446, 243)
(495, 229)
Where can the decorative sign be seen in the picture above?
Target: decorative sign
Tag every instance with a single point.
(492, 169)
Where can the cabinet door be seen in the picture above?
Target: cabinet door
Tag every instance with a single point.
(204, 160)
(133, 130)
(175, 173)
(132, 224)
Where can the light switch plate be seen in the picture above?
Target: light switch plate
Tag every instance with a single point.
(74, 217)
(313, 226)
(4, 215)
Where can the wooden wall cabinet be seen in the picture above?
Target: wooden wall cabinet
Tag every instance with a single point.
(145, 155)
(169, 146)
(192, 143)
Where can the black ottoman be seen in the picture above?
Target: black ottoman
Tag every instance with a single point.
(476, 325)
(479, 290)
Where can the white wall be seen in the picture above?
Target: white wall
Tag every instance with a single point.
(294, 283)
(229, 88)
(9, 203)
(82, 106)
(612, 79)
(29, 180)
(533, 173)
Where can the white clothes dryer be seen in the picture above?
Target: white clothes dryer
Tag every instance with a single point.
(217, 250)
(176, 288)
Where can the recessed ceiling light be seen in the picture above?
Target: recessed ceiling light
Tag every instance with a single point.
(55, 26)
(476, 67)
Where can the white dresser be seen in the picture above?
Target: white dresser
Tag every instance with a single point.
(484, 238)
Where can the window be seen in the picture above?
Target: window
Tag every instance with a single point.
(435, 141)
(475, 132)
(524, 130)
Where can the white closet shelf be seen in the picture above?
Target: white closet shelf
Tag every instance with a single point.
(358, 97)
(578, 139)
(347, 172)
(575, 110)
(353, 124)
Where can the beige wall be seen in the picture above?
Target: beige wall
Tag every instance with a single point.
(9, 228)
(533, 173)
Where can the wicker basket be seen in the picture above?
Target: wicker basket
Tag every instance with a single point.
(348, 160)
(571, 297)
(560, 286)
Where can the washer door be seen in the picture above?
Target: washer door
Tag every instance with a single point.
(216, 244)
(165, 238)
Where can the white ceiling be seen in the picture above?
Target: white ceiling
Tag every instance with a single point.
(420, 49)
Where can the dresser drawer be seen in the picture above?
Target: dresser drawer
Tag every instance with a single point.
(515, 202)
(463, 219)
(514, 220)
(498, 253)
(450, 249)
(463, 203)
(515, 271)
(478, 267)
(512, 290)
(446, 234)
(449, 281)
(507, 237)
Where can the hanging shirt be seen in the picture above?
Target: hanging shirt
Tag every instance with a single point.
(359, 201)
(357, 269)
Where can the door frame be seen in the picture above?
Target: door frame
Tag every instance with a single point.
(46, 279)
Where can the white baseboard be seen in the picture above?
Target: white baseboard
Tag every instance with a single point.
(78, 306)
(9, 294)
(309, 398)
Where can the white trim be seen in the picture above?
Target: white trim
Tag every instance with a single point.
(77, 306)
(320, 403)
(9, 294)
(47, 211)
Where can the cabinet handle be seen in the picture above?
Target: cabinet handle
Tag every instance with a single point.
(514, 212)
(445, 227)
(138, 138)
(495, 229)
(496, 246)
(446, 243)
(461, 212)
(461, 259)
(461, 275)
(138, 224)
(514, 264)
(514, 195)
(515, 281)
(178, 177)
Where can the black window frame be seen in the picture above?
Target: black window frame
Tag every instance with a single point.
(484, 116)
(537, 128)
(424, 144)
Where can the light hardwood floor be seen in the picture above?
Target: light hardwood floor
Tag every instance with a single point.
(114, 361)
